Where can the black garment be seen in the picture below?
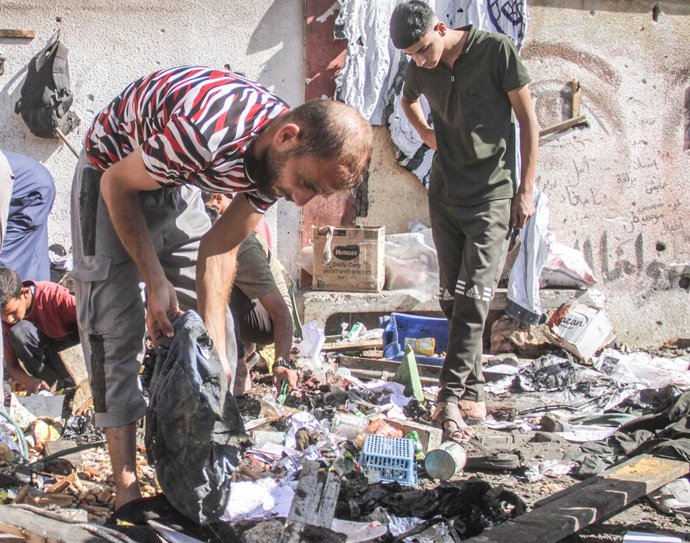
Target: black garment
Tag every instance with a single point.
(193, 424)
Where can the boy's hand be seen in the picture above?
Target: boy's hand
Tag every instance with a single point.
(35, 385)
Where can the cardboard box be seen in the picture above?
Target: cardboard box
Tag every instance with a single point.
(348, 259)
(580, 329)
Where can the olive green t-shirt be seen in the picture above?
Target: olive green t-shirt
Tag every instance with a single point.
(473, 120)
(258, 271)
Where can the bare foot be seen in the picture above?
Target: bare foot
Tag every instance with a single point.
(447, 416)
(127, 494)
(473, 412)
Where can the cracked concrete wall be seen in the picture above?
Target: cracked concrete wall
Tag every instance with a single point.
(617, 187)
(114, 43)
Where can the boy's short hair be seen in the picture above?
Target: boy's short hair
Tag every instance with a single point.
(10, 285)
(410, 22)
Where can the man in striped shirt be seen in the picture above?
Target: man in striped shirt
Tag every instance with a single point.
(138, 221)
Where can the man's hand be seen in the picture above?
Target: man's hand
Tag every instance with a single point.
(281, 374)
(521, 209)
(161, 309)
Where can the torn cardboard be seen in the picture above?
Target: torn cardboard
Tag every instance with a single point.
(580, 329)
(348, 259)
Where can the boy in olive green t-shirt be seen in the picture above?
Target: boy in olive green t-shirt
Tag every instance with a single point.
(476, 87)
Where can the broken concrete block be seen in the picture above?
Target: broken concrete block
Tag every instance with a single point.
(430, 437)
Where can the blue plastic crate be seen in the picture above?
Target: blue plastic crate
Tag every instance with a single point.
(399, 326)
(392, 457)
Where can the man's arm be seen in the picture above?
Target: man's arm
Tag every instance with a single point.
(215, 269)
(281, 318)
(415, 114)
(523, 203)
(120, 187)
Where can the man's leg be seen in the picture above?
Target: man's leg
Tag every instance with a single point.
(176, 236)
(486, 239)
(110, 316)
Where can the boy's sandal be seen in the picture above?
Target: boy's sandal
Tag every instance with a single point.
(473, 413)
(448, 417)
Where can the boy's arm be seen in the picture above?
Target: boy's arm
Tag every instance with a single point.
(523, 203)
(17, 374)
(415, 114)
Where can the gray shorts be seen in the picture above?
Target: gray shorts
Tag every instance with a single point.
(110, 293)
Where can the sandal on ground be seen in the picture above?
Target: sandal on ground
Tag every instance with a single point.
(486, 459)
(472, 412)
(448, 417)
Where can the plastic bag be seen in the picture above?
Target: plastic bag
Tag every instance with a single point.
(411, 262)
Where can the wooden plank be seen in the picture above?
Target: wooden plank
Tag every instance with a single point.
(17, 33)
(316, 497)
(340, 346)
(48, 529)
(313, 506)
(589, 502)
(559, 127)
(385, 365)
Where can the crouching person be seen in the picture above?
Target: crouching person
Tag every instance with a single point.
(39, 320)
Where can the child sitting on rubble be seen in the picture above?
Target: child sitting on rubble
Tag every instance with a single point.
(39, 320)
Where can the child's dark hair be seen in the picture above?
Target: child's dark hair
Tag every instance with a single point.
(10, 285)
(410, 22)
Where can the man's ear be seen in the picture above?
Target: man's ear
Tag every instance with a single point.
(24, 292)
(287, 136)
(441, 28)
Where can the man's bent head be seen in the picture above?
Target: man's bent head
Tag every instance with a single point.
(317, 149)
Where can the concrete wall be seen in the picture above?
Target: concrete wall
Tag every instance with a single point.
(113, 43)
(617, 188)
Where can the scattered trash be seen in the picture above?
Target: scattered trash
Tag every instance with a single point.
(642, 537)
(445, 461)
(391, 457)
(674, 498)
(580, 329)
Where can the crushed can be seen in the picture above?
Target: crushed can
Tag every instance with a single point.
(443, 463)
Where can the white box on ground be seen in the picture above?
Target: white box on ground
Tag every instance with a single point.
(580, 329)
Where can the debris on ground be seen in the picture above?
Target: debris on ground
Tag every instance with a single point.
(348, 458)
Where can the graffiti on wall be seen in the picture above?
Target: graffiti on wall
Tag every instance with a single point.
(615, 186)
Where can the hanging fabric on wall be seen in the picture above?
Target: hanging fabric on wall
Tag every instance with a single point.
(372, 78)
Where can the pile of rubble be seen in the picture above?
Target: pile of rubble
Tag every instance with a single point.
(348, 458)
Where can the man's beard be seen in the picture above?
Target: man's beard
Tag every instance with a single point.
(267, 170)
